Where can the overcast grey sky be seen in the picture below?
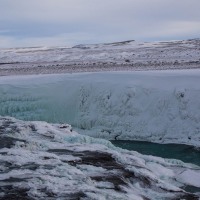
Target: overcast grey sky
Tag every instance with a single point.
(69, 22)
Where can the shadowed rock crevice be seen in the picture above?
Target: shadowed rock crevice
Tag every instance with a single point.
(12, 193)
(8, 142)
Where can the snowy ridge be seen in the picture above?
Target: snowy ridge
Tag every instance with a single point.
(128, 55)
(157, 106)
(51, 161)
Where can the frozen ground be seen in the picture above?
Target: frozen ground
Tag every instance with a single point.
(50, 161)
(129, 55)
(157, 106)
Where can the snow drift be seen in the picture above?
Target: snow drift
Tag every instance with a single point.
(161, 106)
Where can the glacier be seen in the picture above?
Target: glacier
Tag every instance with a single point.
(39, 160)
(156, 106)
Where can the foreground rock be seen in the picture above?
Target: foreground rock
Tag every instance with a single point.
(43, 161)
(156, 106)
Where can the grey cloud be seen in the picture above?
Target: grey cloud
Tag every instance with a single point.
(98, 20)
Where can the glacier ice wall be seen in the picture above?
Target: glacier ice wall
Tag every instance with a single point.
(157, 106)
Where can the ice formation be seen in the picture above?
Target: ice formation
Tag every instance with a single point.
(51, 161)
(161, 106)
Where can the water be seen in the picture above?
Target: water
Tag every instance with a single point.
(182, 152)
(188, 154)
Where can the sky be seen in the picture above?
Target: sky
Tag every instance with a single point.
(29, 23)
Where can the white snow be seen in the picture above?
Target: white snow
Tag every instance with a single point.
(158, 106)
(52, 160)
(129, 55)
(137, 52)
(189, 177)
(33, 161)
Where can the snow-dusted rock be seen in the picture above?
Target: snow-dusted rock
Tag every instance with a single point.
(50, 161)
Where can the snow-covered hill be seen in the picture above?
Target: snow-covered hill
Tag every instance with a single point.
(129, 55)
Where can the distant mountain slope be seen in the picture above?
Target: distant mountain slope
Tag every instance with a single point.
(127, 55)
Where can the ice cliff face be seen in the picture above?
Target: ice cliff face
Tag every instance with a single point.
(152, 108)
(50, 161)
(161, 107)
